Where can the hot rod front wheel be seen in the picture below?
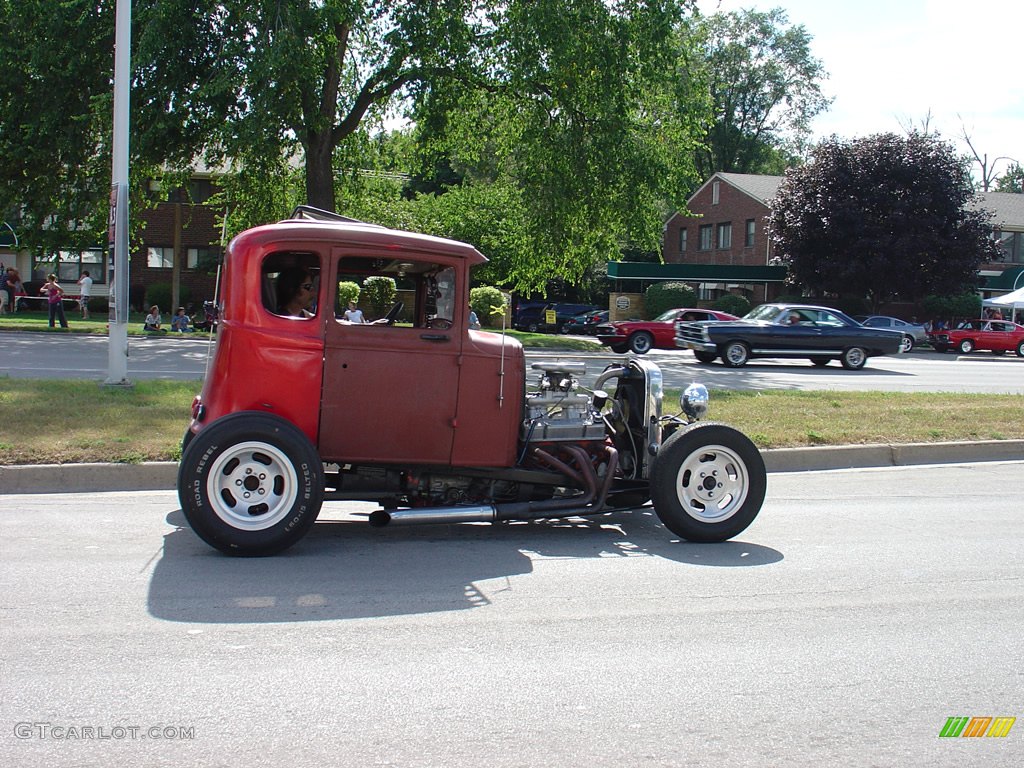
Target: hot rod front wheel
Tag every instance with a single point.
(708, 482)
(250, 484)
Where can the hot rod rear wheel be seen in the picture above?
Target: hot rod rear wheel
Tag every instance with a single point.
(708, 482)
(250, 484)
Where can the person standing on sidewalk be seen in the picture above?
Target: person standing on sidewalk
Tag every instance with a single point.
(55, 299)
(85, 290)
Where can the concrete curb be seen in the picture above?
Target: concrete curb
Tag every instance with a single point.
(161, 476)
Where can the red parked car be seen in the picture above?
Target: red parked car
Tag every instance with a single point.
(641, 336)
(996, 336)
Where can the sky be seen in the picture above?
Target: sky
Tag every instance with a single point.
(892, 62)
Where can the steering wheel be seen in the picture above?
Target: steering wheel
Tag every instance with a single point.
(393, 313)
(439, 323)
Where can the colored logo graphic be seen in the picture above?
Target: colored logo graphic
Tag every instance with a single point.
(977, 726)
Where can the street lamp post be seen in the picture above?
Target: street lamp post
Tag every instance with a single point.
(117, 275)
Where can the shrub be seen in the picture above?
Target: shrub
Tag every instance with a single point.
(160, 294)
(964, 306)
(662, 297)
(380, 291)
(732, 303)
(347, 291)
(489, 304)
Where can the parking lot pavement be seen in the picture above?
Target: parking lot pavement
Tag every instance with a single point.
(152, 476)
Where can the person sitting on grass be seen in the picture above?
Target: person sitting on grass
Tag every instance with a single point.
(153, 322)
(180, 322)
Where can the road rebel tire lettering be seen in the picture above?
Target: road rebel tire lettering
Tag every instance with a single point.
(251, 484)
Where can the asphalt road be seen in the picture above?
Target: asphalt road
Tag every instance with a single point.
(859, 612)
(35, 355)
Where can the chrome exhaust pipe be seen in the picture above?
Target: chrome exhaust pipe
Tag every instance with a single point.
(426, 515)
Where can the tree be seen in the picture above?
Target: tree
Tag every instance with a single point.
(764, 87)
(56, 179)
(883, 217)
(1012, 180)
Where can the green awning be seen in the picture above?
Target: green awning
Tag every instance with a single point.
(702, 273)
(1007, 281)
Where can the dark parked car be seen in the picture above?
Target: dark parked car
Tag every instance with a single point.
(997, 336)
(535, 320)
(913, 333)
(586, 323)
(819, 334)
(641, 336)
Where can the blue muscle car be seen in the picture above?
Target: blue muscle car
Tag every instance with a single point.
(819, 334)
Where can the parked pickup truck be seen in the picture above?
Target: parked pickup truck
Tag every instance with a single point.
(420, 414)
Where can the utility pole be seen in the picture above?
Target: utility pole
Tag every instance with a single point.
(117, 271)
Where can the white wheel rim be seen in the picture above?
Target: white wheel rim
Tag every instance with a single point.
(252, 486)
(737, 354)
(712, 484)
(908, 344)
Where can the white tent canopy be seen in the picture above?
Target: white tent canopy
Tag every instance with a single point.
(1014, 299)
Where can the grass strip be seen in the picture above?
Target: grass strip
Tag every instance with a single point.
(57, 422)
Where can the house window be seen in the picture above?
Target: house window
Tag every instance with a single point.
(748, 241)
(715, 192)
(1012, 246)
(202, 258)
(682, 241)
(725, 235)
(70, 265)
(159, 258)
(706, 234)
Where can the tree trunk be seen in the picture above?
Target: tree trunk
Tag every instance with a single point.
(320, 171)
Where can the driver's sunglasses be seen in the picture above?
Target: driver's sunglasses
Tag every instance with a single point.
(306, 286)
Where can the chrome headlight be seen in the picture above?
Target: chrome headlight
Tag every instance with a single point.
(694, 402)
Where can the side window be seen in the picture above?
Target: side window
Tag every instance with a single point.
(290, 284)
(827, 318)
(398, 293)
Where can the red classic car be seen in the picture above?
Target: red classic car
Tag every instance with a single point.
(998, 336)
(641, 336)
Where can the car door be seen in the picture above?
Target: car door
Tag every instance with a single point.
(391, 391)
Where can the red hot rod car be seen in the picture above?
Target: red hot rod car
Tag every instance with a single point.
(419, 413)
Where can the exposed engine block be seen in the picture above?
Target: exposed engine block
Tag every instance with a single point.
(556, 412)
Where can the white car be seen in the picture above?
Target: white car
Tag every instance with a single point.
(915, 332)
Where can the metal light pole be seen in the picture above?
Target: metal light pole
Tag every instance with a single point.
(117, 272)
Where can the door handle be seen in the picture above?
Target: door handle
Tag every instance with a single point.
(435, 337)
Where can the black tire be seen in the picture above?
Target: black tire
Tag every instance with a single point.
(906, 344)
(641, 342)
(821, 362)
(966, 347)
(736, 354)
(618, 349)
(1020, 349)
(250, 484)
(185, 440)
(705, 357)
(532, 327)
(853, 359)
(708, 482)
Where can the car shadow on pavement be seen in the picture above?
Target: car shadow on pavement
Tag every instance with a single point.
(346, 569)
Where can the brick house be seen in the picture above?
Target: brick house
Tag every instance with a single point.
(721, 248)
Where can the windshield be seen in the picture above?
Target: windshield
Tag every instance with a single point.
(666, 316)
(763, 312)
